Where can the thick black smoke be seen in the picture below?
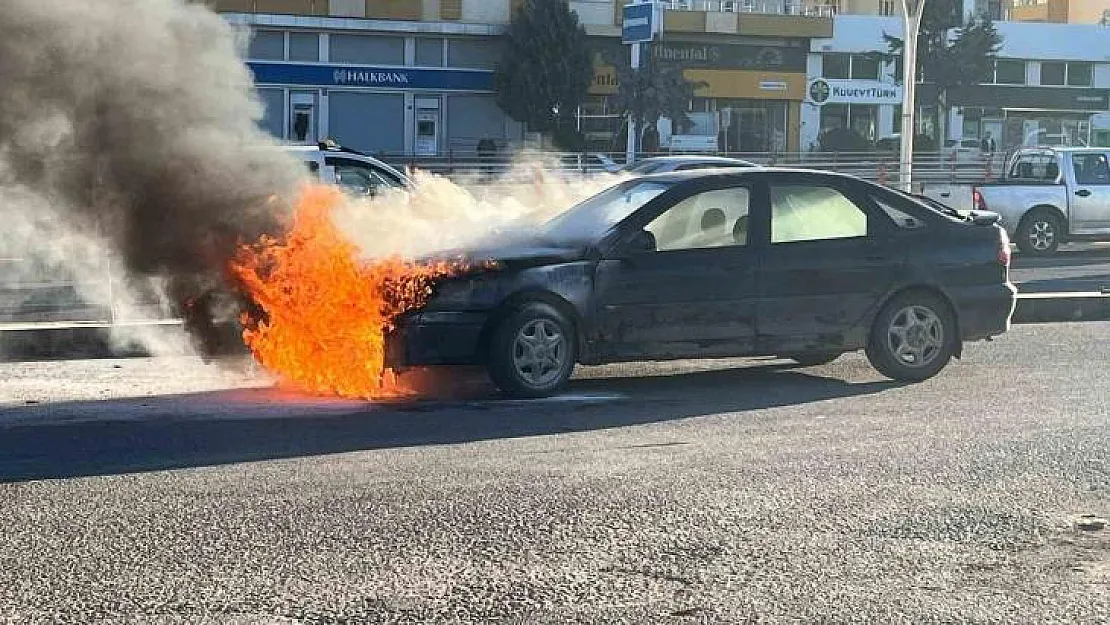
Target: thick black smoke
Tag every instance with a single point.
(135, 119)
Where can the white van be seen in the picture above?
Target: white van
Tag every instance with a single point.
(355, 172)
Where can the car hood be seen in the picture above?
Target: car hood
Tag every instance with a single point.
(518, 255)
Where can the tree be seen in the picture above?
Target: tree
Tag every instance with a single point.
(546, 68)
(948, 59)
(654, 90)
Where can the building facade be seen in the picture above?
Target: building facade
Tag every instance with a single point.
(1050, 85)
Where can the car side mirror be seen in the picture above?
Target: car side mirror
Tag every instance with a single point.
(641, 242)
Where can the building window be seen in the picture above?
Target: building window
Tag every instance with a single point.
(1079, 74)
(267, 45)
(834, 116)
(887, 7)
(429, 52)
(1053, 73)
(836, 65)
(304, 47)
(865, 67)
(1009, 72)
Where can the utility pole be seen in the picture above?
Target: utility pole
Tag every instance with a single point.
(642, 19)
(911, 26)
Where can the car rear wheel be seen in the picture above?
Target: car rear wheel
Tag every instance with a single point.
(1040, 233)
(812, 359)
(532, 352)
(913, 338)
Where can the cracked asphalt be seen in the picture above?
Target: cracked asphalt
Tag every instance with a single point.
(161, 491)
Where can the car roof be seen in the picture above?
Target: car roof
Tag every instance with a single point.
(732, 172)
(689, 158)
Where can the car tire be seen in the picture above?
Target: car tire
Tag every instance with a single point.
(1039, 233)
(913, 337)
(813, 359)
(532, 352)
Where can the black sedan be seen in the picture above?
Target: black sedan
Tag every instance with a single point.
(796, 264)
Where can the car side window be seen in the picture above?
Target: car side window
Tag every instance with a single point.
(814, 213)
(717, 218)
(1038, 167)
(361, 178)
(1091, 169)
(901, 218)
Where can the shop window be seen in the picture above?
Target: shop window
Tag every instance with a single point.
(865, 67)
(1009, 72)
(862, 119)
(834, 116)
(836, 66)
(429, 52)
(304, 47)
(1079, 74)
(367, 49)
(267, 45)
(1053, 73)
(473, 53)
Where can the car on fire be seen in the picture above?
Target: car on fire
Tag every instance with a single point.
(795, 264)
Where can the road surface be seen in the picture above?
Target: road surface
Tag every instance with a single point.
(715, 492)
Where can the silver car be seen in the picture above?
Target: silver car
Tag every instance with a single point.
(664, 164)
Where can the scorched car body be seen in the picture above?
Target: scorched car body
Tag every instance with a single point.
(771, 262)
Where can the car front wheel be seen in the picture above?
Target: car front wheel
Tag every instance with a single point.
(532, 352)
(913, 338)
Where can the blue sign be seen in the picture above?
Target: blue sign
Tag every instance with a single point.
(317, 75)
(639, 23)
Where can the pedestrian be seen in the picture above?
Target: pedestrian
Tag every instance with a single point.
(987, 144)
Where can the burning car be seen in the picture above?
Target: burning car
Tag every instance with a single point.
(796, 264)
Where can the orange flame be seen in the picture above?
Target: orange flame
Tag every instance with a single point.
(324, 313)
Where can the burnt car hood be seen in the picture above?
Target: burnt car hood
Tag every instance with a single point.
(516, 252)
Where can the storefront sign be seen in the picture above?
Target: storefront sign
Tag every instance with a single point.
(712, 56)
(317, 75)
(1031, 98)
(829, 91)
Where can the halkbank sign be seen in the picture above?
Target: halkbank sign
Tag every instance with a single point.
(831, 91)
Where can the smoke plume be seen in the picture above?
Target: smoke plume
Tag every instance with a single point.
(128, 132)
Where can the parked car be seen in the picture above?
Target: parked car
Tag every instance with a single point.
(663, 164)
(590, 163)
(355, 172)
(961, 152)
(798, 264)
(1049, 196)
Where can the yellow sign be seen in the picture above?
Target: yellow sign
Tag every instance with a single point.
(604, 81)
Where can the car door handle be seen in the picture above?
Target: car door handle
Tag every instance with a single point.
(1083, 193)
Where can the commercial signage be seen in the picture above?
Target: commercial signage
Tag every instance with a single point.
(831, 91)
(317, 75)
(638, 25)
(1031, 98)
(713, 56)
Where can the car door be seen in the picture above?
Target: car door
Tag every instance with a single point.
(1090, 200)
(692, 293)
(827, 261)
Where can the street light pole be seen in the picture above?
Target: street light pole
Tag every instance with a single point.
(911, 27)
(633, 134)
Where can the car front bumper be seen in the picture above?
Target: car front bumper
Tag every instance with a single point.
(436, 338)
(984, 311)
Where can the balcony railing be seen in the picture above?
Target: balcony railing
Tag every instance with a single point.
(774, 7)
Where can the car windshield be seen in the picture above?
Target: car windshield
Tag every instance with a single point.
(593, 217)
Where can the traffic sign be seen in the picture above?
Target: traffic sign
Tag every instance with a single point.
(639, 23)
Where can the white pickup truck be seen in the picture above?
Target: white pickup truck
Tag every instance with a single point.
(1050, 196)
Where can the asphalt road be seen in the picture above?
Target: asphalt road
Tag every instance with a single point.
(721, 492)
(1076, 267)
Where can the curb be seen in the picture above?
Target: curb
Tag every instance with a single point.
(1061, 307)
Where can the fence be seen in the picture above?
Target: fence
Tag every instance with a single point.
(881, 167)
